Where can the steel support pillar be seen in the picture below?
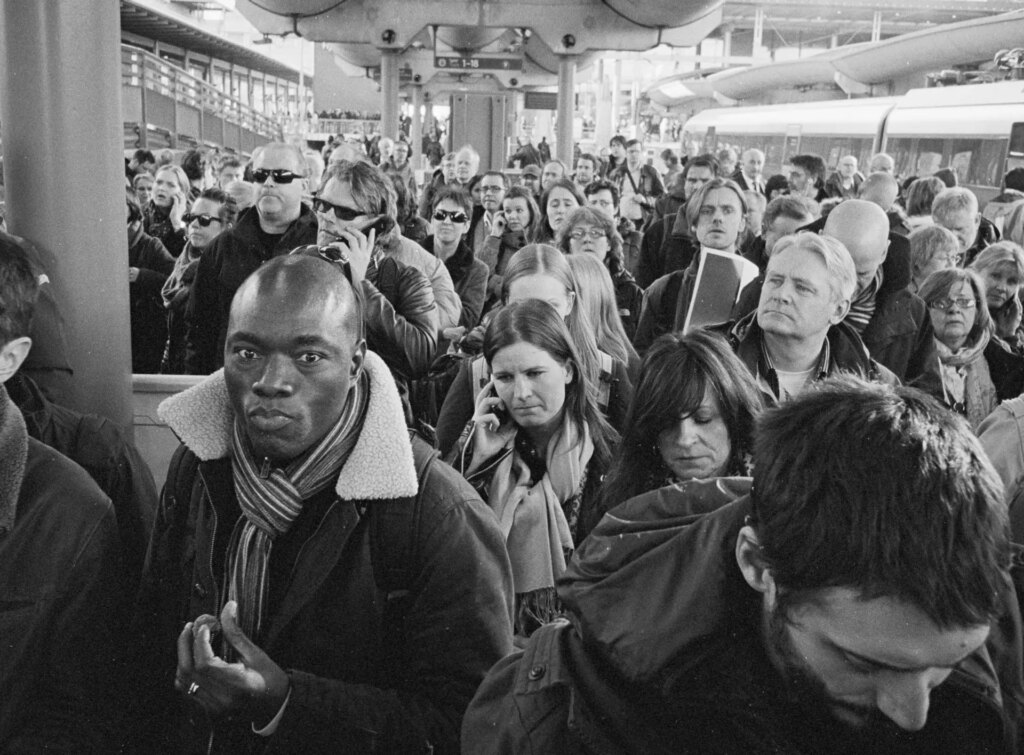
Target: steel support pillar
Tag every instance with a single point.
(603, 122)
(416, 128)
(566, 108)
(389, 93)
(60, 105)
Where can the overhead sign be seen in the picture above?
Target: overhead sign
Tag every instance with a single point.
(540, 101)
(479, 62)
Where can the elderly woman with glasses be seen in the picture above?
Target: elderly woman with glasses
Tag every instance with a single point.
(588, 231)
(963, 378)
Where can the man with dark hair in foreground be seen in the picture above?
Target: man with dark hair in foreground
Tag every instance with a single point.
(854, 597)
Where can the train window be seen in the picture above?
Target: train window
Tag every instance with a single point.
(979, 162)
(903, 152)
(1017, 140)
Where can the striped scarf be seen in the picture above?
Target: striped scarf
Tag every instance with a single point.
(862, 308)
(271, 499)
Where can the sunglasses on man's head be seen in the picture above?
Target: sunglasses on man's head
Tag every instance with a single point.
(340, 211)
(456, 216)
(204, 219)
(280, 176)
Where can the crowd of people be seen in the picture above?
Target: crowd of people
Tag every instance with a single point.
(455, 476)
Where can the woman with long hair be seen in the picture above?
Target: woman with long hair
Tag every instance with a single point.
(1001, 267)
(512, 228)
(538, 271)
(597, 296)
(684, 428)
(558, 200)
(163, 216)
(536, 449)
(588, 231)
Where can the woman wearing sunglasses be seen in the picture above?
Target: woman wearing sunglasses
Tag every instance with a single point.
(447, 241)
(214, 211)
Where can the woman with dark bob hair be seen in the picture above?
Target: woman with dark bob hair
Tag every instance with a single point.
(588, 231)
(536, 449)
(691, 417)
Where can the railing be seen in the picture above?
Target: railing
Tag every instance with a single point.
(173, 106)
(362, 126)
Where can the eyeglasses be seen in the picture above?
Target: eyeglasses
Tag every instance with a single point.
(456, 216)
(340, 211)
(954, 259)
(592, 233)
(279, 175)
(204, 220)
(961, 302)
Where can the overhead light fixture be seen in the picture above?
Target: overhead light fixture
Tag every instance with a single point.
(264, 40)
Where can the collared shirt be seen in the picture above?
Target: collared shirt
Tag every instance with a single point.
(768, 376)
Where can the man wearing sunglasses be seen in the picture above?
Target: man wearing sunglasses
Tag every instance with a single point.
(356, 208)
(281, 223)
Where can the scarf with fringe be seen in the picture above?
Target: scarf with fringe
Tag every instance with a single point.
(532, 516)
(966, 382)
(271, 499)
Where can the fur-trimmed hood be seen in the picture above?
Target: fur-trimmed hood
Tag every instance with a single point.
(380, 466)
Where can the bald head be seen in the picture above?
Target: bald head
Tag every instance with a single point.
(292, 354)
(880, 188)
(296, 282)
(863, 228)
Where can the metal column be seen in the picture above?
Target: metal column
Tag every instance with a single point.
(566, 107)
(416, 129)
(60, 105)
(389, 93)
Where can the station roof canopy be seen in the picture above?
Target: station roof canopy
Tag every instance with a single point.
(855, 68)
(153, 20)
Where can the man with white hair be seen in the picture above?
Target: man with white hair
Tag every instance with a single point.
(892, 321)
(749, 174)
(882, 163)
(845, 181)
(956, 210)
(798, 334)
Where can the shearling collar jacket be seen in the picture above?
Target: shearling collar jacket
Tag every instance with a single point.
(373, 668)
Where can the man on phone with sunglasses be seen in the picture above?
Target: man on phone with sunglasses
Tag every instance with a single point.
(280, 223)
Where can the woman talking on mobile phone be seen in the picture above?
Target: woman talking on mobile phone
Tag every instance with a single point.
(536, 450)
(163, 217)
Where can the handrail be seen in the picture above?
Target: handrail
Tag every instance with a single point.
(143, 69)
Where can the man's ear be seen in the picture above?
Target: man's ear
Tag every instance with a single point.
(841, 310)
(358, 359)
(752, 565)
(12, 356)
